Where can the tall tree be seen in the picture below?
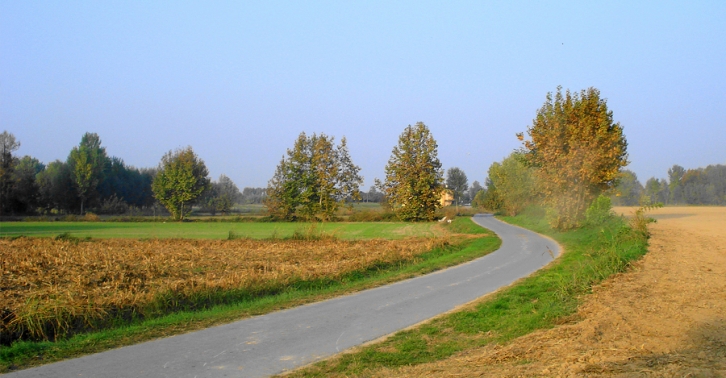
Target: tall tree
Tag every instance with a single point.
(8, 145)
(414, 178)
(25, 193)
(655, 191)
(182, 177)
(314, 180)
(578, 151)
(87, 162)
(456, 181)
(512, 183)
(56, 187)
(629, 189)
(475, 188)
(675, 174)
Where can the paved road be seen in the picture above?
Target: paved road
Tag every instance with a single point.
(269, 344)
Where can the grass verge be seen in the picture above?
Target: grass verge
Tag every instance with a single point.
(543, 300)
(23, 354)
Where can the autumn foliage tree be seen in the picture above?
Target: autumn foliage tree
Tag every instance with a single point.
(182, 178)
(578, 151)
(414, 178)
(314, 180)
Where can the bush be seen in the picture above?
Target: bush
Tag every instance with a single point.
(599, 212)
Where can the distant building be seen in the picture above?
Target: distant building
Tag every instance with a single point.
(447, 197)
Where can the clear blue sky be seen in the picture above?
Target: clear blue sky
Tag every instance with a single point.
(238, 81)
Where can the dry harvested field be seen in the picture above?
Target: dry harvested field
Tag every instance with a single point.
(666, 317)
(49, 285)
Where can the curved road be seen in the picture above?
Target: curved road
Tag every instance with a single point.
(269, 344)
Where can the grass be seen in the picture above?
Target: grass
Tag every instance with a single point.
(543, 300)
(22, 354)
(214, 230)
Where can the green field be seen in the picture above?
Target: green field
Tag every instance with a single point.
(217, 230)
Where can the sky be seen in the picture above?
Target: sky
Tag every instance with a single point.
(239, 81)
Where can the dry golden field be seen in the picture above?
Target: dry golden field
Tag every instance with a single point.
(666, 317)
(50, 287)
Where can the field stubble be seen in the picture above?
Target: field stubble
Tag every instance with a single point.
(53, 288)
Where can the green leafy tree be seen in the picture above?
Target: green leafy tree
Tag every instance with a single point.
(629, 189)
(456, 181)
(56, 187)
(26, 194)
(475, 188)
(675, 175)
(8, 145)
(87, 162)
(513, 183)
(314, 180)
(181, 179)
(655, 191)
(414, 178)
(578, 151)
(221, 196)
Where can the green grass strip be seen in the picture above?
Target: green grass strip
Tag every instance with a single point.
(25, 354)
(543, 300)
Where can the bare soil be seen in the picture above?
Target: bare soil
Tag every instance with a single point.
(666, 317)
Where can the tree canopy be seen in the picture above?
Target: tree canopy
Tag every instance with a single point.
(456, 181)
(182, 178)
(414, 178)
(578, 151)
(314, 180)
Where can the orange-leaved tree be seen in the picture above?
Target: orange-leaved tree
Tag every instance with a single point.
(578, 151)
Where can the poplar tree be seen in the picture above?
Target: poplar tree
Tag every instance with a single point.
(87, 162)
(414, 178)
(181, 179)
(578, 151)
(314, 180)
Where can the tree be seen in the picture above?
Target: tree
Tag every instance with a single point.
(578, 151)
(655, 191)
(56, 187)
(456, 182)
(8, 145)
(87, 162)
(475, 188)
(414, 178)
(221, 196)
(675, 174)
(314, 180)
(182, 177)
(25, 192)
(629, 189)
(512, 182)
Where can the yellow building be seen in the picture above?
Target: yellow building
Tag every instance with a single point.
(447, 197)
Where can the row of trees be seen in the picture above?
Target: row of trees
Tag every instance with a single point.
(700, 186)
(316, 178)
(575, 153)
(90, 179)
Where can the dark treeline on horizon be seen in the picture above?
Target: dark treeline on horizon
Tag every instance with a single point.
(107, 186)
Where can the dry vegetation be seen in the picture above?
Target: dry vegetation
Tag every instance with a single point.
(664, 318)
(58, 287)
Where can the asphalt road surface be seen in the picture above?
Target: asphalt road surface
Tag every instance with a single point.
(272, 343)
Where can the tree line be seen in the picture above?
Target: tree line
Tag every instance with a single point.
(574, 153)
(698, 186)
(89, 179)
